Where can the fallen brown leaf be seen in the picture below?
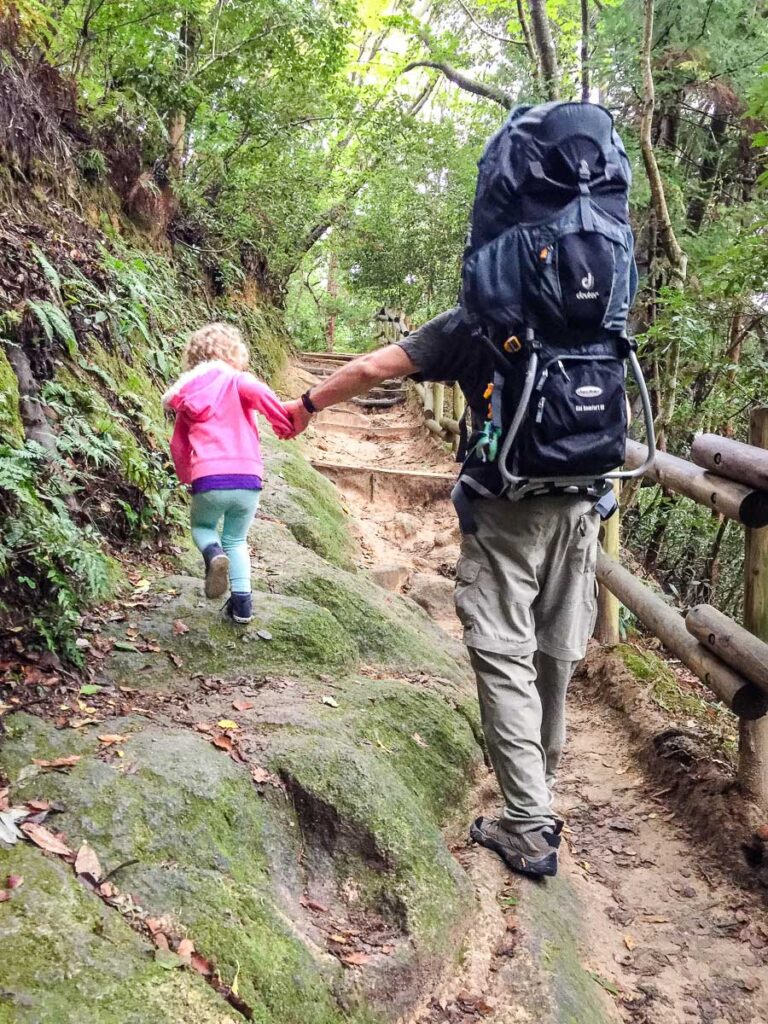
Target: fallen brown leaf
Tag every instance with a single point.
(45, 840)
(355, 959)
(38, 805)
(179, 627)
(223, 742)
(185, 949)
(58, 762)
(340, 940)
(177, 661)
(388, 949)
(311, 904)
(202, 727)
(261, 775)
(4, 896)
(14, 881)
(419, 741)
(630, 943)
(242, 705)
(87, 863)
(111, 738)
(201, 965)
(107, 890)
(160, 940)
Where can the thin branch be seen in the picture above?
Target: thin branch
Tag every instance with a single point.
(545, 47)
(529, 43)
(677, 258)
(488, 92)
(487, 31)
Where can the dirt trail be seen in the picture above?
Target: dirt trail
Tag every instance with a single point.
(659, 929)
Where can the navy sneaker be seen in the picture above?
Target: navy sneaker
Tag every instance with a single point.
(531, 853)
(216, 571)
(239, 608)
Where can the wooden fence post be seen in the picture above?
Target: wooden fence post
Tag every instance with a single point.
(439, 392)
(607, 625)
(753, 736)
(459, 403)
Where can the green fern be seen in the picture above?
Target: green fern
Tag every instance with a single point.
(55, 323)
(50, 272)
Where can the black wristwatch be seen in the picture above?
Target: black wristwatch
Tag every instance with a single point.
(308, 404)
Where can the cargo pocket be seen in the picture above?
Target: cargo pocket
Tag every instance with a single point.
(465, 594)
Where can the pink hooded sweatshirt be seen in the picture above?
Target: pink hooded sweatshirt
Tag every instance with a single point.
(216, 431)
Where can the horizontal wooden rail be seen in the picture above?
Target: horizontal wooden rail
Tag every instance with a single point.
(732, 500)
(742, 696)
(730, 642)
(745, 463)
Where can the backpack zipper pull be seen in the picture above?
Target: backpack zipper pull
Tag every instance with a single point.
(540, 409)
(542, 380)
(562, 370)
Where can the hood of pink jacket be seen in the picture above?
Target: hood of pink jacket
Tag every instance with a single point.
(197, 392)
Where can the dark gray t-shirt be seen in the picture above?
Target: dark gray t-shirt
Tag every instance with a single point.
(443, 349)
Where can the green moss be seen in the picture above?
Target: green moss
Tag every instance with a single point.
(208, 852)
(305, 640)
(553, 918)
(11, 426)
(69, 958)
(385, 629)
(368, 808)
(683, 702)
(431, 747)
(309, 506)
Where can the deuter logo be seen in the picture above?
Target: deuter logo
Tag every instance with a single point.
(587, 283)
(589, 391)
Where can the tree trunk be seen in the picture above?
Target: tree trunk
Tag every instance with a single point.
(529, 45)
(545, 48)
(333, 291)
(585, 51)
(708, 169)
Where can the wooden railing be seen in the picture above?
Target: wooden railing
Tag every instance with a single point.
(731, 479)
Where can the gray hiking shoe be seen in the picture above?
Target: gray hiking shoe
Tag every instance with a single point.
(532, 853)
(216, 571)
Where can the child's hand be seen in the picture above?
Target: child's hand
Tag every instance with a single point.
(299, 415)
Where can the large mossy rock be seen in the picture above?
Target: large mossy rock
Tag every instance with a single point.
(363, 723)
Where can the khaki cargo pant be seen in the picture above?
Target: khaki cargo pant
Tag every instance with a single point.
(526, 596)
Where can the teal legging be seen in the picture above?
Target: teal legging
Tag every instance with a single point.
(237, 509)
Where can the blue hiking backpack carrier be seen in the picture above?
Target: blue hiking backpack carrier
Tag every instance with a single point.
(548, 280)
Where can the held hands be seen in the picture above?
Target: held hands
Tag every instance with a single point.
(299, 416)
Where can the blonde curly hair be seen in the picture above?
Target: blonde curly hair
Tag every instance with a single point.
(216, 341)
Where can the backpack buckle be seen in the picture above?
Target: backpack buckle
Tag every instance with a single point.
(512, 344)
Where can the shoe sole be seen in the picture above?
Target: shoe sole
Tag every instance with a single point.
(217, 577)
(240, 620)
(542, 867)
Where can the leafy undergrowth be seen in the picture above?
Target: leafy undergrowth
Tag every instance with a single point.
(682, 696)
(266, 804)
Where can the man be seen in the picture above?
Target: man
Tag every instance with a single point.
(525, 594)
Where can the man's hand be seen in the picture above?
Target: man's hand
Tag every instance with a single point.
(299, 416)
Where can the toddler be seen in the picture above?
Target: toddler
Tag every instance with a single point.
(215, 448)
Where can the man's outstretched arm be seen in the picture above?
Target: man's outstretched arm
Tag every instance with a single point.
(352, 379)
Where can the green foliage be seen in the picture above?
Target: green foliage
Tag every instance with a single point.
(59, 566)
